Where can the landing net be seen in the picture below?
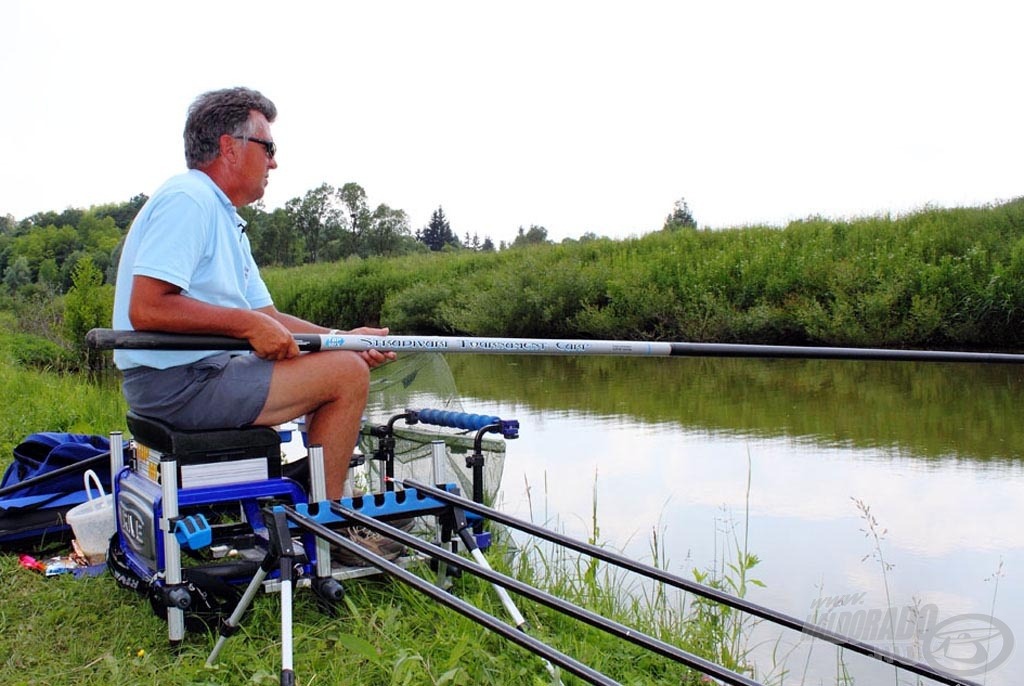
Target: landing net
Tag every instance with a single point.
(418, 381)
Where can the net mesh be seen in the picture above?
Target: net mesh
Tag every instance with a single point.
(419, 381)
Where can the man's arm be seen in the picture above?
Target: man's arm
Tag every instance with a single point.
(291, 322)
(159, 306)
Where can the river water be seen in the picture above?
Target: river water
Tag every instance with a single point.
(877, 496)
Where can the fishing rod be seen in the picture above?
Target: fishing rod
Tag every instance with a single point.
(716, 595)
(108, 339)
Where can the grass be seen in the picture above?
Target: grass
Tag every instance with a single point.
(876, 533)
(62, 630)
(37, 400)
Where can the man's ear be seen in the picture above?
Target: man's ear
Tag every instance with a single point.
(228, 147)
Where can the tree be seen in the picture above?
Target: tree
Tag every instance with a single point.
(69, 217)
(124, 213)
(18, 274)
(353, 197)
(87, 305)
(100, 237)
(535, 235)
(49, 275)
(472, 242)
(681, 217)
(318, 218)
(45, 242)
(272, 237)
(438, 233)
(387, 229)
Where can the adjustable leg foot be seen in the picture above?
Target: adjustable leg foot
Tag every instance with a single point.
(329, 593)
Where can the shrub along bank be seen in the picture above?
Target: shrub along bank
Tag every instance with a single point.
(935, 278)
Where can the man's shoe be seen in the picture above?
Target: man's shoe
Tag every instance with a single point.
(387, 548)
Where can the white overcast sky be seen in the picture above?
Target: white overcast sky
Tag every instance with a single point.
(576, 116)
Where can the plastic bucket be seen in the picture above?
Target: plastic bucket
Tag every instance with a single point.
(93, 521)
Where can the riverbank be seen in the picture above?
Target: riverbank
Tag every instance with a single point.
(938, 278)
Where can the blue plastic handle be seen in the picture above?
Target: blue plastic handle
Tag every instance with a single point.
(457, 420)
(509, 428)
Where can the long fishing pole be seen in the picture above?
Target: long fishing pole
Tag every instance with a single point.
(107, 339)
(593, 619)
(661, 575)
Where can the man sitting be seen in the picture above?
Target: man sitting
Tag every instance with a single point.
(187, 267)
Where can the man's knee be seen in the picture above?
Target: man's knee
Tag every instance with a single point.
(349, 372)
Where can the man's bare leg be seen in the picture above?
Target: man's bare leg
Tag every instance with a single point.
(330, 388)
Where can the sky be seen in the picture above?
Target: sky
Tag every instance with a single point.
(576, 116)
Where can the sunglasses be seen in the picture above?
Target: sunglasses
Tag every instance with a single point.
(269, 146)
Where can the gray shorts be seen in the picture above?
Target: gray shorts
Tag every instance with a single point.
(223, 391)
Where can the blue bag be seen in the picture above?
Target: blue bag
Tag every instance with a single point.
(32, 518)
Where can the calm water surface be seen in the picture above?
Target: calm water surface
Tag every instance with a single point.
(806, 461)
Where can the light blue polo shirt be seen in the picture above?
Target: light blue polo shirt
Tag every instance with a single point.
(188, 234)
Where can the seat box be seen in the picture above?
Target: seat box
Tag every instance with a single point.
(205, 458)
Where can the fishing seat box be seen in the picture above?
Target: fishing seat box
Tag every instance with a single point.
(237, 466)
(207, 457)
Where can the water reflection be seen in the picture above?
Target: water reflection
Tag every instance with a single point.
(919, 409)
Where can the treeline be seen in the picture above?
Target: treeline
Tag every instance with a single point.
(39, 252)
(57, 269)
(329, 224)
(938, 278)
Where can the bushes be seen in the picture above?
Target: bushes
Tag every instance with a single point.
(87, 305)
(29, 350)
(933, 278)
(530, 291)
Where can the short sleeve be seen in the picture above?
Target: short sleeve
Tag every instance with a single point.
(175, 241)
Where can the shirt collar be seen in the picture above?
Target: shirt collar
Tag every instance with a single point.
(222, 196)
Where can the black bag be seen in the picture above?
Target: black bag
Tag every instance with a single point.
(44, 481)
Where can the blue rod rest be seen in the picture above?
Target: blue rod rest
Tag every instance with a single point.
(468, 421)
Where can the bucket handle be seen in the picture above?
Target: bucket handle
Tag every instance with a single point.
(90, 474)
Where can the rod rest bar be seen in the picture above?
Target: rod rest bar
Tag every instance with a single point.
(387, 505)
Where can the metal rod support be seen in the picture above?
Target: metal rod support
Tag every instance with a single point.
(593, 619)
